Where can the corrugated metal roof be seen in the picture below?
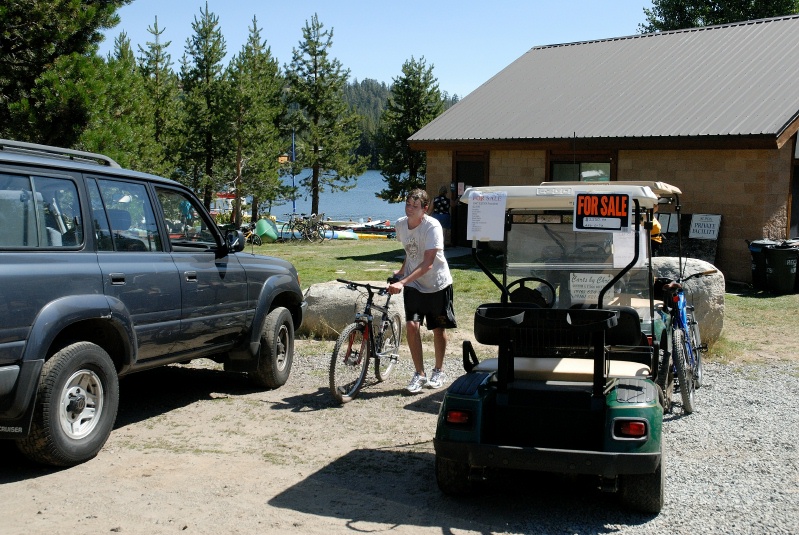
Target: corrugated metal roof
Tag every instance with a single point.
(730, 80)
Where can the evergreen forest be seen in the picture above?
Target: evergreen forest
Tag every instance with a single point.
(236, 127)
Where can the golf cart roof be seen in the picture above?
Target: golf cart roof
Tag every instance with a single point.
(560, 195)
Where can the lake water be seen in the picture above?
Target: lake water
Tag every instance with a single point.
(357, 204)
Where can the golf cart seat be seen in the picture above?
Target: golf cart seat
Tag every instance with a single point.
(559, 344)
(564, 369)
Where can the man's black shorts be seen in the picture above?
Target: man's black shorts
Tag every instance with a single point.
(434, 309)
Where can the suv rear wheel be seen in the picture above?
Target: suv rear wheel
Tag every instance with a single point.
(76, 406)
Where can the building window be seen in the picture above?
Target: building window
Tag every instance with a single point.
(593, 167)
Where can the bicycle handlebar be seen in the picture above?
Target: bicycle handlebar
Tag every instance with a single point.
(369, 288)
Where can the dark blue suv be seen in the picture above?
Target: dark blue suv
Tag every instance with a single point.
(105, 272)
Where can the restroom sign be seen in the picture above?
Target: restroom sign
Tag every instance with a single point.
(602, 212)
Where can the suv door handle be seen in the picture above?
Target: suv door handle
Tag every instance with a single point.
(191, 276)
(117, 279)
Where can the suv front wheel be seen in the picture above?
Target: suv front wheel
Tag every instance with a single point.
(76, 407)
(277, 350)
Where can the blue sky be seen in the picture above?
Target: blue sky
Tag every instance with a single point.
(466, 41)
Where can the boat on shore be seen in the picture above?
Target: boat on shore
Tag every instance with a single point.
(378, 228)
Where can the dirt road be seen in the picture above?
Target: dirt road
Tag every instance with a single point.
(197, 450)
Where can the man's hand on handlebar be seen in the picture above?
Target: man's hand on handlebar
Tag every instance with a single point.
(394, 284)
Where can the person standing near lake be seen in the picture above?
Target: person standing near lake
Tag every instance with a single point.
(427, 282)
(441, 211)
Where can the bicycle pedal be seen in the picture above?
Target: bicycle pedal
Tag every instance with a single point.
(702, 348)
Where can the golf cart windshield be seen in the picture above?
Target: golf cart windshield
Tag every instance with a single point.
(558, 256)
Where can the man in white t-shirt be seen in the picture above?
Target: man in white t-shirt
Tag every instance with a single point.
(427, 282)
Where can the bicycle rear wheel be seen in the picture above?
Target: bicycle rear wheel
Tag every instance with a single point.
(389, 339)
(349, 363)
(321, 233)
(684, 372)
(256, 239)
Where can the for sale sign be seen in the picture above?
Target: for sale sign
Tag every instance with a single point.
(602, 212)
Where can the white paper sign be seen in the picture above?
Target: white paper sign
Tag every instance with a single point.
(624, 248)
(705, 226)
(585, 287)
(486, 221)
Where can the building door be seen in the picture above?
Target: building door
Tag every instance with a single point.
(470, 170)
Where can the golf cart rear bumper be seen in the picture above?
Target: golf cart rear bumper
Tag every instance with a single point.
(605, 464)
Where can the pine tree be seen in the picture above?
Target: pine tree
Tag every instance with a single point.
(119, 121)
(256, 110)
(205, 127)
(42, 45)
(415, 101)
(667, 15)
(327, 129)
(161, 86)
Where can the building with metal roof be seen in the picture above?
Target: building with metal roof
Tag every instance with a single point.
(712, 110)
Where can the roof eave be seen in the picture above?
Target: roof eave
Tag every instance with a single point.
(750, 141)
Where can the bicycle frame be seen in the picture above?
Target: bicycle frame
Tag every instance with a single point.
(678, 309)
(349, 364)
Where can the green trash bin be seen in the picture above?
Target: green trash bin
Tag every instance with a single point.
(781, 268)
(756, 248)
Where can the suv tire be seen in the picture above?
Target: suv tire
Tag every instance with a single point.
(76, 407)
(277, 350)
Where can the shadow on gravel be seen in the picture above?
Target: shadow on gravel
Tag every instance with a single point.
(142, 396)
(376, 489)
(154, 392)
(322, 399)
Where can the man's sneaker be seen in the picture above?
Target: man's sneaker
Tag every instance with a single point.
(417, 382)
(437, 379)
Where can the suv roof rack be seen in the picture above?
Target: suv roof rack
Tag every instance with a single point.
(48, 151)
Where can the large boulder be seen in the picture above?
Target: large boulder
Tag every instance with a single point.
(332, 306)
(706, 294)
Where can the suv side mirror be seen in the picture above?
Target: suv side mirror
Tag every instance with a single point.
(235, 240)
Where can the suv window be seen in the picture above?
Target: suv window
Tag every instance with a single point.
(123, 217)
(39, 212)
(187, 230)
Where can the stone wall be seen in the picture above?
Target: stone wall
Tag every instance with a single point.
(749, 188)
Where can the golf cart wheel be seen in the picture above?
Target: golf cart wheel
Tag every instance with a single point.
(643, 492)
(453, 477)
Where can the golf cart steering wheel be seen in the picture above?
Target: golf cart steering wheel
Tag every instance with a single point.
(522, 289)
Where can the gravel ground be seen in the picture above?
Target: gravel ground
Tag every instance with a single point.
(200, 451)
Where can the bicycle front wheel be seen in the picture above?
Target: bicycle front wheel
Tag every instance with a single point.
(286, 232)
(256, 240)
(696, 344)
(389, 339)
(684, 373)
(665, 377)
(349, 363)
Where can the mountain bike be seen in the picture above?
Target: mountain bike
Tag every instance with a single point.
(250, 236)
(367, 338)
(681, 360)
(291, 230)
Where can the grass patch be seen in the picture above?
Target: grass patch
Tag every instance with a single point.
(757, 325)
(376, 260)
